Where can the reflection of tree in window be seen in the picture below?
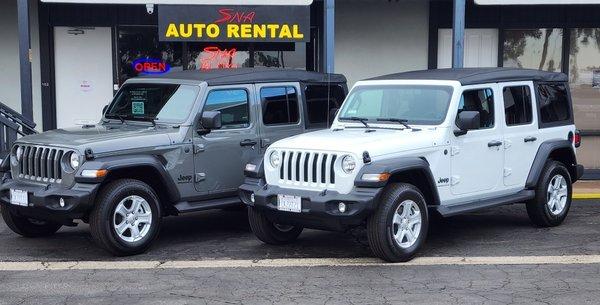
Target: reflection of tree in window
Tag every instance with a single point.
(535, 49)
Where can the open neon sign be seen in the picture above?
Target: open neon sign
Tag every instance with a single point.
(150, 66)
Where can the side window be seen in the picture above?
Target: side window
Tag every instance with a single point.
(481, 100)
(517, 105)
(233, 105)
(279, 105)
(554, 103)
(320, 100)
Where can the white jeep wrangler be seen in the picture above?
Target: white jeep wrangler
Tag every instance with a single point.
(406, 145)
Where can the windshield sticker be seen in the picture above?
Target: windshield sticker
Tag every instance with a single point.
(137, 108)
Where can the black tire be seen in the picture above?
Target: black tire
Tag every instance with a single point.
(380, 226)
(28, 227)
(538, 209)
(268, 232)
(103, 217)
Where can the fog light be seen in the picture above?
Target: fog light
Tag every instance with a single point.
(252, 199)
(61, 202)
(342, 207)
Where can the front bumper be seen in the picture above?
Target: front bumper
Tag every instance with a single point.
(319, 209)
(44, 200)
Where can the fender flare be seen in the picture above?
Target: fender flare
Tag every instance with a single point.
(131, 162)
(542, 156)
(397, 166)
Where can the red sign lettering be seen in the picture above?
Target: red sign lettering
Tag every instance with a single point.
(230, 16)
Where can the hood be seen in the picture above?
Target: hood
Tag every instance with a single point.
(357, 140)
(106, 137)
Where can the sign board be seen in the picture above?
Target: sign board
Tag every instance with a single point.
(239, 23)
(535, 2)
(189, 2)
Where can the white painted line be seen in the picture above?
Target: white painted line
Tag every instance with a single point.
(297, 262)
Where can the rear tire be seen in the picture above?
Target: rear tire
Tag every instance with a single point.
(398, 228)
(28, 227)
(552, 200)
(126, 218)
(271, 233)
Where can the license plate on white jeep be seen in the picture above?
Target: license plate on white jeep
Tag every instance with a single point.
(19, 197)
(289, 203)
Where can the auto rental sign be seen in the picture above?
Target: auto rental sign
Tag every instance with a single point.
(238, 23)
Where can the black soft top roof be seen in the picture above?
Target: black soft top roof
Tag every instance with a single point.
(472, 76)
(250, 75)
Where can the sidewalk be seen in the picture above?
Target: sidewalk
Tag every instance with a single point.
(586, 189)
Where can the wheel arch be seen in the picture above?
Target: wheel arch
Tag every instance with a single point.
(412, 170)
(557, 150)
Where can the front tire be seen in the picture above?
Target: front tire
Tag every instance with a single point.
(28, 227)
(126, 217)
(398, 228)
(552, 200)
(269, 232)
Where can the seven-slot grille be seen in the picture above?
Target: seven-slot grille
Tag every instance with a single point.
(41, 163)
(307, 167)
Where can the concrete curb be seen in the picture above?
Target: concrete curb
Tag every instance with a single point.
(583, 196)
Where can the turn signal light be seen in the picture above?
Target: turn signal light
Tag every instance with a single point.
(94, 173)
(376, 177)
(577, 139)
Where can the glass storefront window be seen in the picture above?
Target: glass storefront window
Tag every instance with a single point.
(141, 43)
(217, 56)
(295, 59)
(584, 77)
(539, 49)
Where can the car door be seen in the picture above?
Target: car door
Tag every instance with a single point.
(477, 156)
(280, 111)
(220, 156)
(520, 132)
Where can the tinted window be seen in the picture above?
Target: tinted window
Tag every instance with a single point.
(233, 105)
(517, 105)
(320, 100)
(279, 105)
(554, 103)
(481, 100)
(163, 102)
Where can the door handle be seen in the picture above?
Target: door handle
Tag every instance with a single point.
(248, 142)
(494, 143)
(530, 139)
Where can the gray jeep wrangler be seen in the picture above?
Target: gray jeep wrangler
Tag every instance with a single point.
(166, 145)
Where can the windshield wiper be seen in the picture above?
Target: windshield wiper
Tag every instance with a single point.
(358, 119)
(399, 121)
(116, 116)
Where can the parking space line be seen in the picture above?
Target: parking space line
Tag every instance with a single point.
(297, 262)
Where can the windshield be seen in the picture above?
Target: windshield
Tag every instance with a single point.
(168, 103)
(413, 104)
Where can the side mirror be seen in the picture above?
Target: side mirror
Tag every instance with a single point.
(210, 120)
(467, 120)
(332, 114)
(104, 109)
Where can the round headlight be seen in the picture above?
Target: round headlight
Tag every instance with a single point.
(19, 153)
(74, 160)
(348, 164)
(275, 159)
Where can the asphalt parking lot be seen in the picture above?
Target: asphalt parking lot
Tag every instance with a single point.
(219, 244)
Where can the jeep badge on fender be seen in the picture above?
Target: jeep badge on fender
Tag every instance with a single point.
(491, 136)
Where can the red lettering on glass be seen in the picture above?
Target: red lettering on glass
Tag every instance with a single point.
(230, 16)
(216, 58)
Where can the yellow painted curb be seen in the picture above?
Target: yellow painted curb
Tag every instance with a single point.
(586, 196)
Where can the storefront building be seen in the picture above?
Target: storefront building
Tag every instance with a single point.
(85, 51)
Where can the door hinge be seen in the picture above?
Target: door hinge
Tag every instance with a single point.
(455, 150)
(507, 172)
(199, 177)
(455, 180)
(198, 148)
(507, 144)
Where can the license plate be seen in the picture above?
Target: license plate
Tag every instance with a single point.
(19, 197)
(289, 203)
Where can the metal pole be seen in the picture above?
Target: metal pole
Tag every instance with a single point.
(458, 34)
(329, 35)
(25, 58)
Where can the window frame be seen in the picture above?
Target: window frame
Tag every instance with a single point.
(299, 100)
(538, 98)
(532, 107)
(249, 106)
(483, 87)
